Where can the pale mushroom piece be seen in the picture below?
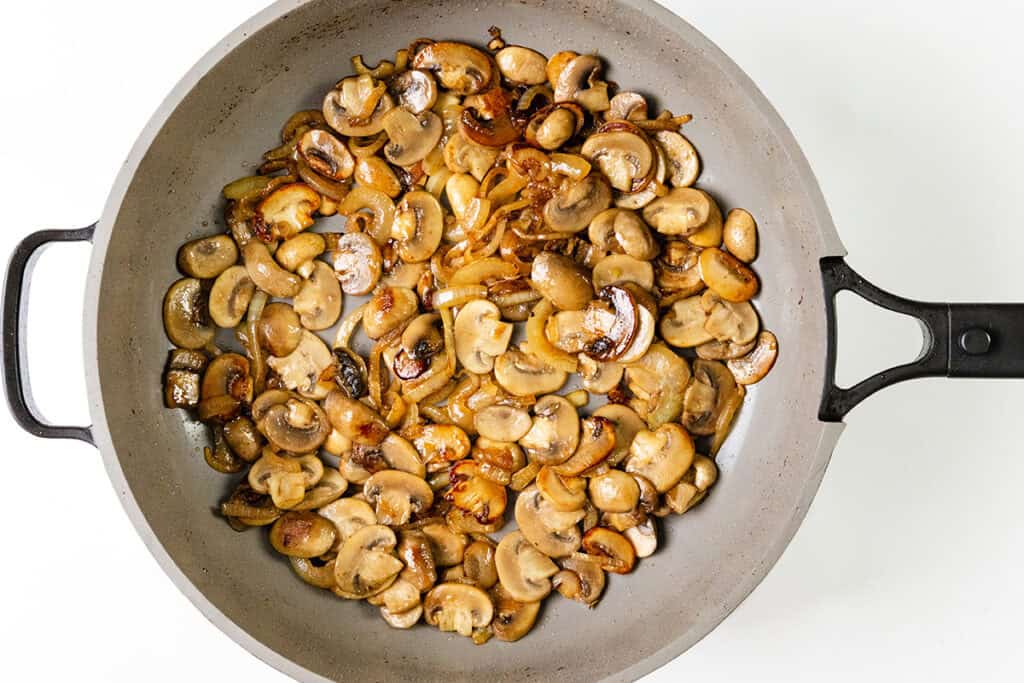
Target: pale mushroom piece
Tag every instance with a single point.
(525, 572)
(729, 322)
(683, 161)
(615, 491)
(279, 476)
(207, 257)
(266, 274)
(354, 419)
(296, 425)
(662, 456)
(623, 231)
(566, 494)
(399, 454)
(597, 439)
(536, 517)
(727, 276)
(480, 335)
(438, 443)
(581, 579)
(326, 154)
(475, 494)
(370, 210)
(400, 596)
(366, 563)
(185, 315)
(557, 63)
(740, 235)
(555, 432)
(678, 269)
(295, 252)
(458, 607)
(388, 309)
(562, 281)
(710, 390)
(460, 189)
(402, 620)
(643, 537)
(230, 296)
(449, 546)
(479, 565)
(626, 424)
(460, 68)
(419, 222)
(410, 136)
(753, 367)
(612, 550)
(315, 571)
(357, 106)
(462, 155)
(565, 330)
(415, 90)
(683, 211)
(377, 174)
(288, 210)
(683, 325)
(319, 301)
(397, 496)
(414, 547)
(619, 268)
(521, 65)
(301, 369)
(503, 423)
(512, 619)
(724, 350)
(579, 81)
(523, 374)
(357, 262)
(625, 157)
(694, 485)
(361, 462)
(576, 205)
(626, 106)
(553, 126)
(302, 534)
(598, 377)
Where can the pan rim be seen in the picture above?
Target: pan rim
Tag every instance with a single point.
(824, 440)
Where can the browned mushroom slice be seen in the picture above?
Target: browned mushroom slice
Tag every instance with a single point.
(521, 65)
(355, 419)
(389, 308)
(727, 276)
(357, 106)
(370, 211)
(617, 338)
(418, 224)
(243, 438)
(662, 456)
(449, 547)
(624, 156)
(729, 322)
(683, 325)
(398, 496)
(555, 432)
(524, 374)
(579, 80)
(596, 442)
(375, 173)
(549, 530)
(524, 571)
(460, 68)
(250, 507)
(316, 571)
(439, 445)
(280, 476)
(288, 210)
(615, 491)
(265, 272)
(458, 607)
(626, 424)
(754, 366)
(228, 375)
(560, 280)
(302, 368)
(296, 426)
(185, 315)
(572, 209)
(208, 257)
(302, 534)
(612, 550)
(475, 494)
(621, 231)
(502, 423)
(566, 494)
(366, 563)
(410, 136)
(724, 350)
(683, 211)
(279, 329)
(740, 235)
(626, 106)
(414, 90)
(357, 262)
(479, 565)
(683, 161)
(329, 489)
(296, 253)
(581, 579)
(512, 619)
(318, 303)
(480, 335)
(420, 569)
(710, 390)
(678, 269)
(326, 154)
(694, 485)
(599, 378)
(487, 119)
(620, 268)
(554, 125)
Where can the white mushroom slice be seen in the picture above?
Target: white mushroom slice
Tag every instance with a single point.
(524, 571)
(555, 432)
(579, 81)
(348, 515)
(420, 568)
(683, 325)
(458, 607)
(503, 423)
(462, 155)
(296, 252)
(318, 303)
(366, 563)
(626, 423)
(655, 186)
(397, 496)
(644, 538)
(645, 330)
(357, 261)
(400, 596)
(410, 136)
(521, 65)
(230, 296)
(683, 162)
(729, 322)
(295, 425)
(727, 276)
(449, 547)
(662, 456)
(301, 369)
(710, 391)
(619, 268)
(419, 222)
(480, 335)
(625, 157)
(627, 106)
(566, 494)
(535, 517)
(523, 374)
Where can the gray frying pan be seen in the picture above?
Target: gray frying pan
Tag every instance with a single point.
(215, 124)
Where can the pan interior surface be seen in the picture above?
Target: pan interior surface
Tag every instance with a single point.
(213, 130)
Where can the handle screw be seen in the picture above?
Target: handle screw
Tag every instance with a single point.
(975, 341)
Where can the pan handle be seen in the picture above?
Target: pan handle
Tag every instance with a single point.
(960, 340)
(19, 394)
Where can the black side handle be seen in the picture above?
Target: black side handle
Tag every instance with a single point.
(960, 340)
(19, 395)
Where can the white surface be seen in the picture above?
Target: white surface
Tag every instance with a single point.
(909, 563)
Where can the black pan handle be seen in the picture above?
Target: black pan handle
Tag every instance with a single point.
(19, 395)
(960, 340)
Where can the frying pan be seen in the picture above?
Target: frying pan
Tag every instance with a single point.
(215, 124)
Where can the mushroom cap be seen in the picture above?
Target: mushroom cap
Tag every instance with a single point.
(579, 81)
(536, 518)
(301, 369)
(683, 161)
(355, 419)
(614, 491)
(524, 374)
(318, 304)
(397, 496)
(410, 136)
(596, 442)
(512, 619)
(727, 276)
(613, 550)
(479, 565)
(377, 174)
(302, 534)
(388, 309)
(662, 456)
(326, 154)
(555, 432)
(185, 315)
(373, 209)
(755, 365)
(366, 563)
(643, 537)
(296, 251)
(265, 272)
(625, 157)
(562, 281)
(683, 211)
(740, 235)
(279, 329)
(619, 230)
(710, 390)
(575, 206)
(295, 426)
(582, 579)
(626, 424)
(207, 257)
(525, 572)
(480, 335)
(458, 607)
(502, 423)
(566, 494)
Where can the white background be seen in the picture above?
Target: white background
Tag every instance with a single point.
(909, 564)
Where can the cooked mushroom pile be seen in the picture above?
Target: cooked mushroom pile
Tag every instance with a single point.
(530, 312)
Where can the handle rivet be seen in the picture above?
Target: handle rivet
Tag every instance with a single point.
(975, 341)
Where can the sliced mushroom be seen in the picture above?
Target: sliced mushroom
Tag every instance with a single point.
(462, 155)
(315, 571)
(615, 491)
(279, 329)
(617, 337)
(622, 231)
(355, 419)
(487, 119)
(326, 154)
(475, 494)
(643, 537)
(449, 547)
(297, 252)
(296, 425)
(415, 90)
(575, 206)
(521, 65)
(227, 375)
(250, 507)
(579, 81)
(626, 424)
(554, 125)
(348, 515)
(302, 368)
(536, 517)
(624, 156)
(439, 445)
(460, 68)
(560, 280)
(357, 106)
(397, 496)
(662, 456)
(724, 350)
(370, 211)
(230, 296)
(566, 331)
(399, 454)
(402, 620)
(279, 476)
(755, 365)
(185, 315)
(598, 377)
(502, 423)
(208, 257)
(366, 563)
(683, 325)
(524, 571)
(555, 432)
(727, 276)
(480, 335)
(694, 485)
(620, 268)
(318, 303)
(710, 390)
(420, 569)
(479, 565)
(401, 596)
(596, 442)
(657, 382)
(612, 550)
(523, 374)
(729, 322)
(288, 210)
(740, 235)
(410, 136)
(683, 211)
(512, 619)
(302, 534)
(627, 106)
(419, 222)
(389, 308)
(375, 173)
(330, 487)
(267, 275)
(678, 269)
(458, 607)
(566, 494)
(357, 262)
(581, 579)
(243, 438)
(683, 162)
